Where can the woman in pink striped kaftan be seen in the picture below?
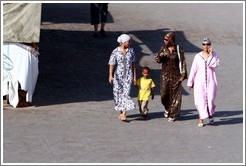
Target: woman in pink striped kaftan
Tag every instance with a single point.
(202, 78)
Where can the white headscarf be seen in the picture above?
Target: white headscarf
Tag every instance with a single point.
(123, 38)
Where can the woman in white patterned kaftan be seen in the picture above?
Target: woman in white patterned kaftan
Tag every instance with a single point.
(122, 73)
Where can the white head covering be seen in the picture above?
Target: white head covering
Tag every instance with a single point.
(123, 38)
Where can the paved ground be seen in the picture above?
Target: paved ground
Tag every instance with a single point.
(73, 119)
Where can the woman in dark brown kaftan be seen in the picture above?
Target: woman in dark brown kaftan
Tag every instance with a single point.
(173, 72)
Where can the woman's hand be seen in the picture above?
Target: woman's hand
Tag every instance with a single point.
(110, 79)
(134, 82)
(181, 79)
(161, 54)
(210, 50)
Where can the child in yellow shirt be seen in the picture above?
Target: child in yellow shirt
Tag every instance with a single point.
(146, 89)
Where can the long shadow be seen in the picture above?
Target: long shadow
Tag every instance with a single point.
(151, 115)
(225, 117)
(73, 66)
(221, 117)
(68, 13)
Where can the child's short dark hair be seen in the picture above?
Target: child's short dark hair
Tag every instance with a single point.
(146, 68)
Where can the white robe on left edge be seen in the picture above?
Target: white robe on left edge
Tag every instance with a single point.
(20, 65)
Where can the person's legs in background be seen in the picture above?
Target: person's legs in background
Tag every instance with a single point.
(94, 9)
(103, 13)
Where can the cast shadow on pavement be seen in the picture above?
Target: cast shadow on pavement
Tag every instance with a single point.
(73, 66)
(221, 117)
(225, 117)
(68, 13)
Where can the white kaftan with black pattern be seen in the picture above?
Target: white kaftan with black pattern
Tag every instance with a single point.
(123, 78)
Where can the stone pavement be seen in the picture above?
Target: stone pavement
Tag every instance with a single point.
(73, 120)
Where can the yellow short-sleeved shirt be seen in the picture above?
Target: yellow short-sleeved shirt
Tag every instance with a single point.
(145, 85)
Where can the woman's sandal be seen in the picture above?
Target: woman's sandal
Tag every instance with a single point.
(200, 125)
(171, 119)
(120, 116)
(123, 118)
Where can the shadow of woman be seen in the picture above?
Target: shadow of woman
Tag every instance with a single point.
(226, 117)
(150, 116)
(221, 117)
(228, 121)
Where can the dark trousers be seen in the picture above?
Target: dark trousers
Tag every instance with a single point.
(99, 12)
